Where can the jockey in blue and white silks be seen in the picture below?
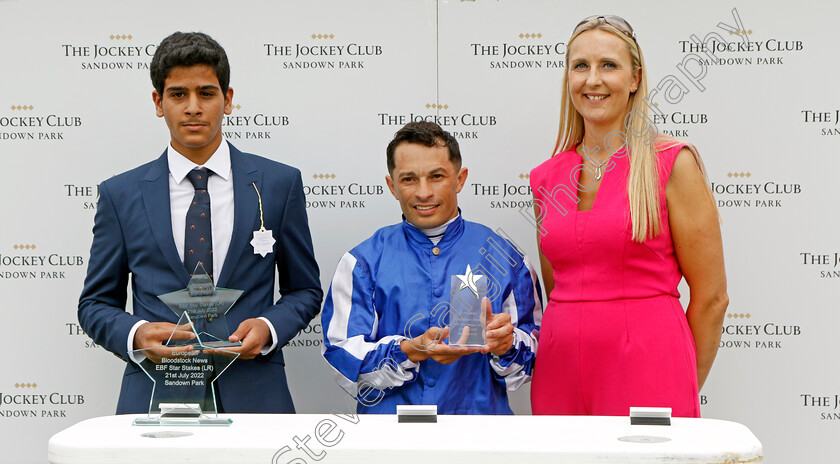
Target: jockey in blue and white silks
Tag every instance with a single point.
(395, 286)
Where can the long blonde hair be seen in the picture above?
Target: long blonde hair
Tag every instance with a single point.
(643, 180)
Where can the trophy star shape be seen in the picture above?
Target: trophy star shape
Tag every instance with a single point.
(185, 367)
(206, 305)
(469, 280)
(184, 373)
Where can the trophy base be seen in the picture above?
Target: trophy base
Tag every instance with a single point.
(183, 422)
(182, 414)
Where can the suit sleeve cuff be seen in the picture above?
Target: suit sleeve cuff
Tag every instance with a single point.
(269, 348)
(136, 357)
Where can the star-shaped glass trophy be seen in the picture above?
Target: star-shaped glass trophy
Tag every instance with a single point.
(184, 371)
(206, 305)
(183, 374)
(467, 320)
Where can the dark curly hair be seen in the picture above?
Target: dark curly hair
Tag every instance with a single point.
(189, 49)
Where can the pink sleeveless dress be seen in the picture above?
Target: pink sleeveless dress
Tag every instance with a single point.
(614, 334)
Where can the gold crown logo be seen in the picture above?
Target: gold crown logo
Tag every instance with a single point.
(323, 36)
(437, 105)
(738, 174)
(323, 176)
(120, 37)
(21, 247)
(531, 36)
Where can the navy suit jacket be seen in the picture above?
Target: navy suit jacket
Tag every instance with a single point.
(132, 238)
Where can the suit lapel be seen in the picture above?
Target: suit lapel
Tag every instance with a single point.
(245, 211)
(155, 190)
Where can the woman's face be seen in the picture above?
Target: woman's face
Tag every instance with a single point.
(601, 78)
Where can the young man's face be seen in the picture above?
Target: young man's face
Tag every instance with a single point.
(193, 105)
(426, 184)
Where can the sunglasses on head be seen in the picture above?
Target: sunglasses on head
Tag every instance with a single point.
(615, 21)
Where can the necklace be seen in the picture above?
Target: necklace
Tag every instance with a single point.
(598, 172)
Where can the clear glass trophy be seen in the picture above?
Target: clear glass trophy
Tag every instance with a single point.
(206, 305)
(467, 319)
(184, 371)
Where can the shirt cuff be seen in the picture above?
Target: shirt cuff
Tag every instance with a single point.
(270, 348)
(495, 359)
(399, 355)
(136, 357)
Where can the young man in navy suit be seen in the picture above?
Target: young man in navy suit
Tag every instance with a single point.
(142, 231)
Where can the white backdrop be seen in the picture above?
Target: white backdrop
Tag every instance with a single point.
(75, 108)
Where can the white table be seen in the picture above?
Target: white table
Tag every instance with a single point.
(371, 439)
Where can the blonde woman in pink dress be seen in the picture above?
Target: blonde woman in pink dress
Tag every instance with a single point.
(624, 214)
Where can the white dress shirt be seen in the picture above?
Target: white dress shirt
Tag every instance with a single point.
(220, 188)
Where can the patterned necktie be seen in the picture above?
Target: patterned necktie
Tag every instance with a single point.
(198, 239)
